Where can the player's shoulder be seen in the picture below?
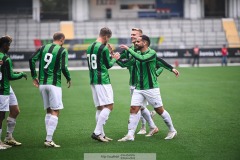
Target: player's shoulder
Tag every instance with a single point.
(64, 49)
(48, 45)
(152, 51)
(92, 44)
(102, 47)
(105, 48)
(159, 59)
(45, 47)
(5, 58)
(61, 49)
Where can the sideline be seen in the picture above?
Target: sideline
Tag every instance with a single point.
(118, 67)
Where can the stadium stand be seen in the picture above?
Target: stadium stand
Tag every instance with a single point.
(204, 32)
(231, 33)
(175, 33)
(67, 28)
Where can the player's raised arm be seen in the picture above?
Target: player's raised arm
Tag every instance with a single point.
(108, 61)
(142, 44)
(110, 49)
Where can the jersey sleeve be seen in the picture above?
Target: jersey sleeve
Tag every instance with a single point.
(123, 54)
(162, 63)
(12, 75)
(126, 62)
(123, 58)
(109, 62)
(64, 64)
(32, 62)
(119, 62)
(151, 55)
(159, 71)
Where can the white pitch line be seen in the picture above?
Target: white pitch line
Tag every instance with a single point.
(118, 67)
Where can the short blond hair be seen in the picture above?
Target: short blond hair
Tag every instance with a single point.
(137, 29)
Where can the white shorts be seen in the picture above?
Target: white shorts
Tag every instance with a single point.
(4, 103)
(13, 99)
(152, 96)
(102, 94)
(145, 103)
(52, 96)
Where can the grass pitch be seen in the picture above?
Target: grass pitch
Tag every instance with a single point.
(203, 103)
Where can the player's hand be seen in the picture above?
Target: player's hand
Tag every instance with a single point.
(123, 46)
(1, 62)
(36, 82)
(116, 56)
(24, 75)
(69, 84)
(110, 49)
(176, 72)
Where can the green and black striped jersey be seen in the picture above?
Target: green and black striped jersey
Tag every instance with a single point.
(7, 74)
(162, 64)
(127, 60)
(53, 59)
(99, 61)
(146, 69)
(124, 59)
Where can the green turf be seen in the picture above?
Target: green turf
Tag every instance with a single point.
(203, 102)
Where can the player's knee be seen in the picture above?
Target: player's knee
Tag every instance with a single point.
(134, 109)
(110, 107)
(55, 113)
(14, 111)
(159, 110)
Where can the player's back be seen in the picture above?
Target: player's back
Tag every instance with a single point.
(50, 64)
(98, 63)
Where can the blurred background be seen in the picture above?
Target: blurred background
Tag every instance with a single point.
(175, 26)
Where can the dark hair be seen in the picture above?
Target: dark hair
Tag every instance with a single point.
(58, 36)
(105, 31)
(5, 40)
(146, 38)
